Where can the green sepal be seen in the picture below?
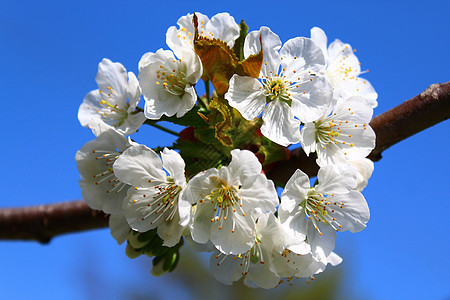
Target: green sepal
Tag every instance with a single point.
(131, 252)
(147, 236)
(134, 242)
(238, 47)
(220, 117)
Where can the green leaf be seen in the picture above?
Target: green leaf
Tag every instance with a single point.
(191, 118)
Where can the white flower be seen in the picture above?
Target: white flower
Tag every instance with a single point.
(119, 228)
(100, 187)
(109, 103)
(168, 83)
(256, 263)
(290, 264)
(318, 212)
(343, 135)
(343, 69)
(228, 201)
(222, 26)
(152, 201)
(365, 168)
(289, 86)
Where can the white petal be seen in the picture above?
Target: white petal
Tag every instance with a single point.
(311, 99)
(97, 198)
(365, 168)
(320, 38)
(171, 232)
(200, 185)
(359, 87)
(185, 211)
(224, 27)
(139, 166)
(226, 268)
(201, 227)
(119, 228)
(132, 123)
(258, 195)
(279, 124)
(207, 247)
(339, 178)
(295, 191)
(174, 164)
(246, 95)
(321, 244)
(236, 234)
(243, 164)
(185, 104)
(89, 108)
(353, 214)
(112, 75)
(271, 44)
(308, 138)
(270, 232)
(302, 53)
(133, 91)
(260, 275)
(139, 209)
(334, 259)
(295, 226)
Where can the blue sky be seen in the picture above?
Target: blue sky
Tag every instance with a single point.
(49, 52)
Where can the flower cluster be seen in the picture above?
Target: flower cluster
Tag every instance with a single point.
(209, 188)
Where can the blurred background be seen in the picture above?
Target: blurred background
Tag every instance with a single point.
(49, 52)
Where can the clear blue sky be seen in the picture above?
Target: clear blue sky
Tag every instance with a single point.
(49, 52)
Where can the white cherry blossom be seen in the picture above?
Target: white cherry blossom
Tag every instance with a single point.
(222, 26)
(100, 187)
(168, 83)
(115, 101)
(256, 263)
(290, 85)
(293, 265)
(152, 201)
(318, 212)
(343, 69)
(365, 168)
(227, 203)
(342, 135)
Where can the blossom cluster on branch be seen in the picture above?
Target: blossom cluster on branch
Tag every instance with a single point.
(209, 188)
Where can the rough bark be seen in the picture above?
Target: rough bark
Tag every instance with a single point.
(41, 223)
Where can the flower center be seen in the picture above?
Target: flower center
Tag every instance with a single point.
(225, 201)
(277, 87)
(172, 81)
(114, 112)
(166, 200)
(252, 256)
(318, 208)
(337, 130)
(107, 179)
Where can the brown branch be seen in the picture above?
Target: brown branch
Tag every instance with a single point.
(43, 222)
(421, 112)
(429, 108)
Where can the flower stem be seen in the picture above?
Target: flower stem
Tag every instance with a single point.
(207, 90)
(163, 128)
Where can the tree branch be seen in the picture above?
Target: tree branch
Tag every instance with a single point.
(43, 222)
